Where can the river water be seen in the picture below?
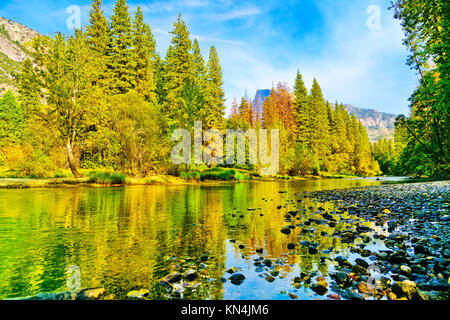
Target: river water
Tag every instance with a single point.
(129, 238)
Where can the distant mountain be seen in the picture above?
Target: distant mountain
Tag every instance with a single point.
(13, 37)
(379, 125)
(260, 96)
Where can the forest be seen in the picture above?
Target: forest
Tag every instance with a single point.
(105, 99)
(422, 143)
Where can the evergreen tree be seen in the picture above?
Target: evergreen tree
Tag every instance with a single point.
(29, 87)
(97, 29)
(319, 139)
(301, 103)
(215, 96)
(143, 51)
(200, 81)
(246, 112)
(200, 71)
(121, 64)
(178, 70)
(97, 37)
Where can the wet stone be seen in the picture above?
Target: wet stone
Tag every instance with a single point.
(237, 278)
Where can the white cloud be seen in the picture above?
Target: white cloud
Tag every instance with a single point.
(238, 13)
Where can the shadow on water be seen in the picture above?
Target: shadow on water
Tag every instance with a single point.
(126, 239)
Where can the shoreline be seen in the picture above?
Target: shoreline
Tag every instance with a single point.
(28, 183)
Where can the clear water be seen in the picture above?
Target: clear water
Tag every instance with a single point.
(128, 238)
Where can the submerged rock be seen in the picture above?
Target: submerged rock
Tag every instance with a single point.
(291, 246)
(319, 288)
(405, 288)
(237, 278)
(90, 294)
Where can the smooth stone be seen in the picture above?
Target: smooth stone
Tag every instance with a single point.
(267, 262)
(341, 278)
(362, 263)
(292, 296)
(90, 294)
(405, 269)
(291, 246)
(357, 269)
(320, 289)
(274, 273)
(237, 278)
(405, 288)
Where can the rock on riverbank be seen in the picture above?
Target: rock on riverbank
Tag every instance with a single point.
(413, 222)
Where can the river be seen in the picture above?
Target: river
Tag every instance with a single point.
(129, 238)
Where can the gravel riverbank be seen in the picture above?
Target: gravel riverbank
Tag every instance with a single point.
(413, 223)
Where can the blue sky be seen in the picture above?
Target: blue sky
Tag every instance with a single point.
(263, 42)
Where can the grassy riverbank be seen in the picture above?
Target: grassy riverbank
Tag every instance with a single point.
(103, 178)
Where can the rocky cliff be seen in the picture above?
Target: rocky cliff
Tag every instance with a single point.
(13, 39)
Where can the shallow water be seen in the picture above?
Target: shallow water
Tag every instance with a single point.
(125, 239)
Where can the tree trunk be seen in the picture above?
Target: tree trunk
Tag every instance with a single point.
(71, 160)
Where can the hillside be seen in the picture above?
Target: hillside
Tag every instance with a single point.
(379, 125)
(13, 37)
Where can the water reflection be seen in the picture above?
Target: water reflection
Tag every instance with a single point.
(126, 239)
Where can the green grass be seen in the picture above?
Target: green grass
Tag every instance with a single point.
(104, 177)
(215, 174)
(191, 175)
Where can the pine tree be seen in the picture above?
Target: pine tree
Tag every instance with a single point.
(97, 29)
(319, 122)
(178, 70)
(301, 104)
(200, 71)
(200, 81)
(97, 37)
(29, 88)
(159, 79)
(143, 52)
(246, 112)
(121, 64)
(215, 97)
